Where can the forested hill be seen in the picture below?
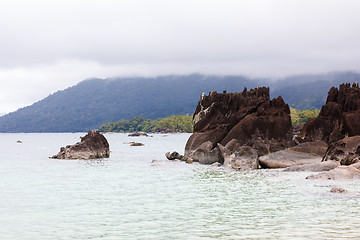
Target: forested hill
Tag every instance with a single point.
(94, 102)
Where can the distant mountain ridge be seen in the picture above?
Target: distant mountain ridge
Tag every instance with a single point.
(93, 102)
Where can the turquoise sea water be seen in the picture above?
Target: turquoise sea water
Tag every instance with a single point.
(128, 196)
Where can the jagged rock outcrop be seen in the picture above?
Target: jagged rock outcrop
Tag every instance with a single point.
(339, 117)
(346, 150)
(249, 117)
(93, 145)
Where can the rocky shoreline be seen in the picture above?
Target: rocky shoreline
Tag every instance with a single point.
(248, 130)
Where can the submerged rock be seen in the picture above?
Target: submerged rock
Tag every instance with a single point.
(93, 145)
(341, 172)
(346, 151)
(136, 144)
(137, 134)
(249, 117)
(337, 190)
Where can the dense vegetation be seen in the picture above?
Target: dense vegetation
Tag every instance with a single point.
(299, 117)
(183, 123)
(96, 101)
(175, 123)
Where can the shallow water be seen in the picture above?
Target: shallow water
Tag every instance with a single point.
(128, 196)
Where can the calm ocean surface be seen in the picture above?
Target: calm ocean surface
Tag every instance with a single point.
(129, 197)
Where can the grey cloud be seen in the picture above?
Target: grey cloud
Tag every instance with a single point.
(121, 32)
(140, 37)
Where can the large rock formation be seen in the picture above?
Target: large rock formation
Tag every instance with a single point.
(346, 150)
(249, 118)
(93, 145)
(339, 117)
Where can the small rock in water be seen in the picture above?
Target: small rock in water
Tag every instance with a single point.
(93, 145)
(188, 160)
(157, 162)
(216, 164)
(174, 155)
(337, 190)
(135, 144)
(137, 134)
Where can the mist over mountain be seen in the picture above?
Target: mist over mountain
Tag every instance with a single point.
(93, 102)
(308, 91)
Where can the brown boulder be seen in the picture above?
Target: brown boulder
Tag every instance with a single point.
(304, 153)
(206, 153)
(346, 151)
(93, 145)
(313, 167)
(284, 159)
(244, 158)
(174, 156)
(339, 117)
(239, 157)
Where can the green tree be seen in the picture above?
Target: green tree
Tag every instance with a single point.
(174, 123)
(299, 117)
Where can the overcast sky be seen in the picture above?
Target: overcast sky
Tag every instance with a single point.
(47, 46)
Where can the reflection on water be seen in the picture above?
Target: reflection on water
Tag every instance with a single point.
(138, 194)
